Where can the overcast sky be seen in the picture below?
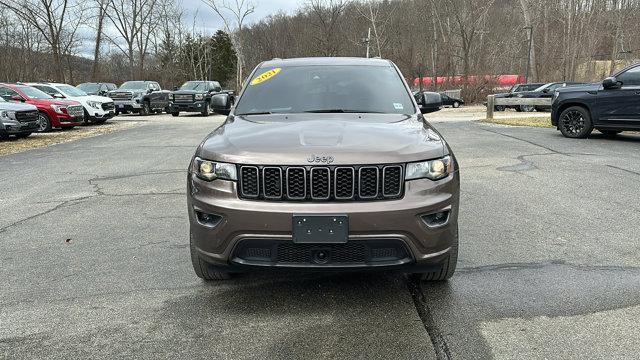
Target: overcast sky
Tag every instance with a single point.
(207, 19)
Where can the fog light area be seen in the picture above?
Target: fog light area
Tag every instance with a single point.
(437, 219)
(209, 220)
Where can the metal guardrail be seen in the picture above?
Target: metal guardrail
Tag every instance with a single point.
(492, 101)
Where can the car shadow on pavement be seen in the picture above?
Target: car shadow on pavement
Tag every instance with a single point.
(302, 315)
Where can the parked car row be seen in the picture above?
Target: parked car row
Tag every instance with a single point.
(56, 105)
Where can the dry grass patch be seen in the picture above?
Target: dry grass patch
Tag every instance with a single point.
(37, 140)
(538, 121)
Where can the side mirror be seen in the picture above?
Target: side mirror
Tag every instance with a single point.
(545, 90)
(149, 91)
(429, 102)
(17, 98)
(175, 88)
(219, 101)
(610, 83)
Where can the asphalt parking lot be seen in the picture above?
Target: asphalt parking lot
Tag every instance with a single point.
(95, 259)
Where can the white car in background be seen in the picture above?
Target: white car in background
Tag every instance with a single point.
(97, 109)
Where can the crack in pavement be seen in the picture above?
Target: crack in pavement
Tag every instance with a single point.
(623, 169)
(127, 176)
(424, 312)
(527, 141)
(540, 265)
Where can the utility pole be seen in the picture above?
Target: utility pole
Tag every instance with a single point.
(526, 76)
(366, 41)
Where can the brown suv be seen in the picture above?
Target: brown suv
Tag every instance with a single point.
(324, 164)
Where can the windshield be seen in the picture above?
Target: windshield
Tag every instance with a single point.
(34, 93)
(89, 87)
(134, 85)
(339, 88)
(71, 91)
(193, 85)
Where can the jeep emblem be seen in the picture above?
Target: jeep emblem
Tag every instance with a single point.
(320, 159)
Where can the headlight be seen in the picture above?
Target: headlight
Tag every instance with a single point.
(430, 169)
(94, 104)
(211, 170)
(199, 96)
(60, 109)
(173, 97)
(7, 114)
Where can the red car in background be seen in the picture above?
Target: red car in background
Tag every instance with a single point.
(52, 112)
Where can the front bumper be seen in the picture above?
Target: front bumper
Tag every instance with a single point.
(127, 105)
(16, 127)
(68, 121)
(389, 222)
(196, 106)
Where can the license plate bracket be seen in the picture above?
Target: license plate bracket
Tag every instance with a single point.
(320, 229)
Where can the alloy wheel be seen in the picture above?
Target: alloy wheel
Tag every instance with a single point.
(43, 123)
(573, 122)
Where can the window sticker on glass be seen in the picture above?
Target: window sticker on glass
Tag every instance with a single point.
(265, 76)
(398, 106)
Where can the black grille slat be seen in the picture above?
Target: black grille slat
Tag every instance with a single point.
(321, 183)
(249, 186)
(391, 176)
(344, 183)
(272, 182)
(368, 182)
(296, 183)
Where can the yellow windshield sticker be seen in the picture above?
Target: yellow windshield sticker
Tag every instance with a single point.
(265, 76)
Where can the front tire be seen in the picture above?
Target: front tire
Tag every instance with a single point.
(207, 109)
(202, 269)
(499, 108)
(177, 113)
(456, 104)
(575, 123)
(527, 108)
(44, 124)
(145, 109)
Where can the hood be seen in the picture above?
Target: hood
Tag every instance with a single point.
(101, 99)
(128, 92)
(5, 105)
(349, 139)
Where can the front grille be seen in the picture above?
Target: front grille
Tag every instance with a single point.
(75, 111)
(288, 253)
(108, 106)
(321, 183)
(121, 96)
(183, 98)
(27, 116)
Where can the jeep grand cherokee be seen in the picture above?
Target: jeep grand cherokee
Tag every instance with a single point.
(325, 164)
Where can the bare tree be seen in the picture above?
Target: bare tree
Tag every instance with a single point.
(233, 15)
(54, 20)
(131, 19)
(101, 8)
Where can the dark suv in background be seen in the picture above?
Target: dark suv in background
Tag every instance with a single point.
(204, 97)
(611, 106)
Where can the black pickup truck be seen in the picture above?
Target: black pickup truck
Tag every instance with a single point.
(201, 96)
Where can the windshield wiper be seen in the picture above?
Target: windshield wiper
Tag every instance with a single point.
(329, 111)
